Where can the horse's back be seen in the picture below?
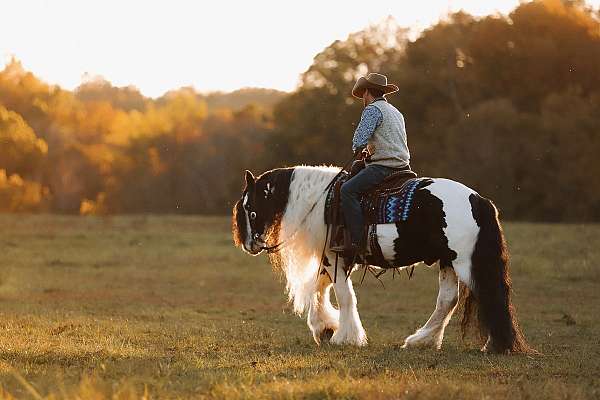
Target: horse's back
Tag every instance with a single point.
(456, 200)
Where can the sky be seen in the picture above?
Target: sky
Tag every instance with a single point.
(208, 44)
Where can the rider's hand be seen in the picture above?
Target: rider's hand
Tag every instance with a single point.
(358, 151)
(357, 166)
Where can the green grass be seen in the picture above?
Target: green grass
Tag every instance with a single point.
(166, 307)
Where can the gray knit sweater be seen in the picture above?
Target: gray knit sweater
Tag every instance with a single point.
(388, 145)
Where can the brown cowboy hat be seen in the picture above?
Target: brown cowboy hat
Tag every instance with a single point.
(373, 81)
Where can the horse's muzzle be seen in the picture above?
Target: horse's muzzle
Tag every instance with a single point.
(255, 245)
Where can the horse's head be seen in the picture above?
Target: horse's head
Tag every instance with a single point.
(257, 214)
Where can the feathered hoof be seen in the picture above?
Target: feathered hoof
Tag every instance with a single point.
(416, 344)
(419, 340)
(359, 339)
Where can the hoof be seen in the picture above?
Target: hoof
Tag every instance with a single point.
(411, 345)
(326, 335)
(358, 339)
(420, 341)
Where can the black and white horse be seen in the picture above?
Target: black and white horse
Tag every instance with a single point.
(450, 224)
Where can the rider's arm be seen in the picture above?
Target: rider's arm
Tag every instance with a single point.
(369, 121)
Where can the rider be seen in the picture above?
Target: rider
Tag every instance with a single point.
(382, 135)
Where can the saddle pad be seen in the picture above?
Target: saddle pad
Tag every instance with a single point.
(389, 206)
(394, 206)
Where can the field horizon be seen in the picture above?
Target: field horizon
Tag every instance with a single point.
(148, 306)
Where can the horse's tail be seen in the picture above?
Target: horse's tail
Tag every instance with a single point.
(490, 295)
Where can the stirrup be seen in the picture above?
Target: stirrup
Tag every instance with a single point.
(340, 240)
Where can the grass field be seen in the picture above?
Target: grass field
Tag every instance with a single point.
(166, 307)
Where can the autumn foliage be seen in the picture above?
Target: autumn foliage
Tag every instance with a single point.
(509, 105)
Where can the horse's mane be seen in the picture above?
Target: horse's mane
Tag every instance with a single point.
(304, 235)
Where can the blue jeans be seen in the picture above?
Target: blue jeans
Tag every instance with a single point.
(351, 193)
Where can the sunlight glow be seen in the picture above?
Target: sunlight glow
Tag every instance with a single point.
(217, 45)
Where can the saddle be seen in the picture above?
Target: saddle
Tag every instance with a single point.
(388, 202)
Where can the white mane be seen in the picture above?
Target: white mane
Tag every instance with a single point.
(300, 256)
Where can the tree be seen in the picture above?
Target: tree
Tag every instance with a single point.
(322, 110)
(497, 102)
(98, 89)
(22, 152)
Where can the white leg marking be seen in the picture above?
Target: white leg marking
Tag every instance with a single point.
(432, 333)
(350, 329)
(323, 318)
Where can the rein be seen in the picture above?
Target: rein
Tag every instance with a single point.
(277, 247)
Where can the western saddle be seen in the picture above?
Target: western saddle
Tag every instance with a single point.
(370, 205)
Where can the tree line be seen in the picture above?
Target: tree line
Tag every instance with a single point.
(509, 105)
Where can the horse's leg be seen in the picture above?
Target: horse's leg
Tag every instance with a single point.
(350, 329)
(432, 333)
(322, 316)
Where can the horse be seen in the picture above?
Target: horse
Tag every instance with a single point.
(281, 212)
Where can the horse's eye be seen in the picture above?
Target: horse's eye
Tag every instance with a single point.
(252, 215)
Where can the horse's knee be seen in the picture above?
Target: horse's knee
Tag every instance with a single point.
(446, 303)
(448, 292)
(450, 301)
(454, 301)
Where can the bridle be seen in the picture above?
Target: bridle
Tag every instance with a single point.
(279, 246)
(253, 232)
(251, 217)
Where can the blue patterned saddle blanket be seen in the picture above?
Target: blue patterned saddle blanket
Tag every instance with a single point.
(394, 205)
(382, 206)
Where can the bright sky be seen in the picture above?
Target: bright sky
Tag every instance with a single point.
(159, 45)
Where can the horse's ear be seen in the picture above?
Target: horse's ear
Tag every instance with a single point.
(249, 179)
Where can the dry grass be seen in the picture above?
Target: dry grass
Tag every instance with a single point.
(165, 307)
